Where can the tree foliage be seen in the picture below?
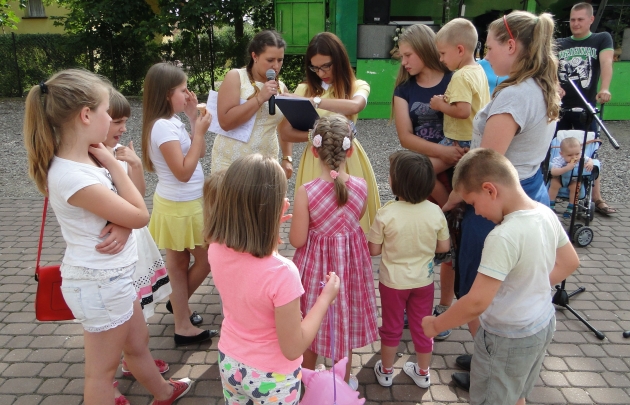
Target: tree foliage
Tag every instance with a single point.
(118, 36)
(8, 18)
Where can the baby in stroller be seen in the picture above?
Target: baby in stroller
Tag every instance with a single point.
(565, 152)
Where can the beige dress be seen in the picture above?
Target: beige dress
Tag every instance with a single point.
(264, 139)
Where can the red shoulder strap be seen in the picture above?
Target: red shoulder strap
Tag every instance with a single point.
(41, 235)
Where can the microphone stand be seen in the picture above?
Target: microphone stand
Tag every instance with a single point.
(561, 297)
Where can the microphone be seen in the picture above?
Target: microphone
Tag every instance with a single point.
(271, 75)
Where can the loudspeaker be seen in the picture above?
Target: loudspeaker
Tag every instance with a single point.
(376, 11)
(375, 41)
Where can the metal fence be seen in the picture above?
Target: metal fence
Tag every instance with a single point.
(29, 58)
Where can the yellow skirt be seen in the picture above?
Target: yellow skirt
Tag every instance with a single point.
(176, 225)
(358, 165)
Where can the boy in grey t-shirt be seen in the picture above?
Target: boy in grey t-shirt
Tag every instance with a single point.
(526, 253)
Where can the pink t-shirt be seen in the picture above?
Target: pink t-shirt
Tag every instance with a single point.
(251, 289)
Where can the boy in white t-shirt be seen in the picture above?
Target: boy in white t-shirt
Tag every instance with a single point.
(525, 254)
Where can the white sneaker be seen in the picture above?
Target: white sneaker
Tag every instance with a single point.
(353, 382)
(320, 367)
(422, 381)
(385, 379)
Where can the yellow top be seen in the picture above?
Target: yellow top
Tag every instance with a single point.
(469, 85)
(409, 235)
(264, 138)
(360, 88)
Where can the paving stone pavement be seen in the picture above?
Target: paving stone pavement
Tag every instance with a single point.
(42, 362)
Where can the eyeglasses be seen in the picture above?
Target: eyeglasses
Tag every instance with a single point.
(324, 68)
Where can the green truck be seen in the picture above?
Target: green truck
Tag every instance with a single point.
(368, 27)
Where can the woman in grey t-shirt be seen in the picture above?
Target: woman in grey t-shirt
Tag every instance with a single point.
(519, 122)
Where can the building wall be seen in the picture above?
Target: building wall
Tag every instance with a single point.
(45, 25)
(38, 25)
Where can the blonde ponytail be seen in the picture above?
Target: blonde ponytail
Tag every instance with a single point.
(49, 106)
(334, 130)
(537, 58)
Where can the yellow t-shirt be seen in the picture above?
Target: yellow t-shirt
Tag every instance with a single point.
(409, 235)
(470, 85)
(360, 88)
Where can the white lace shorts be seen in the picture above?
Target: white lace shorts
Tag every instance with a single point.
(100, 305)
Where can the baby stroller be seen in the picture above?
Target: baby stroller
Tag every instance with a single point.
(580, 234)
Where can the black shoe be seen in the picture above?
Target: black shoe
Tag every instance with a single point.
(462, 380)
(464, 361)
(195, 318)
(188, 340)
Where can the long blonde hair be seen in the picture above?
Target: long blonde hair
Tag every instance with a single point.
(49, 106)
(248, 206)
(159, 83)
(334, 129)
(421, 39)
(537, 58)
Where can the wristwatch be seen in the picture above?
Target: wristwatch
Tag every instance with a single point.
(316, 101)
(288, 159)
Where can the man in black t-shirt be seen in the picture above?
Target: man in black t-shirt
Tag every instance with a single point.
(583, 57)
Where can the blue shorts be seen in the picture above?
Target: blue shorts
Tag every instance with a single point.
(100, 305)
(451, 142)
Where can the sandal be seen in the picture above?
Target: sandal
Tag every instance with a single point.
(121, 400)
(602, 207)
(161, 365)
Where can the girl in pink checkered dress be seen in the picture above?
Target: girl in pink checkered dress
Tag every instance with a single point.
(327, 233)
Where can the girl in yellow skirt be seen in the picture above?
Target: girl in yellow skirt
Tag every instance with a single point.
(332, 88)
(177, 218)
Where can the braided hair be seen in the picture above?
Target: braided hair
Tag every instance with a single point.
(334, 130)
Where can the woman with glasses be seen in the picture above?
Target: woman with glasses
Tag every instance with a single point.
(333, 89)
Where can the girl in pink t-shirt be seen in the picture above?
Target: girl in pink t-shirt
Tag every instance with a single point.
(263, 334)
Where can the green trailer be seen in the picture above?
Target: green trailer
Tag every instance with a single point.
(368, 45)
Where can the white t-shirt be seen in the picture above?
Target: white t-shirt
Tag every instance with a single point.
(81, 228)
(521, 252)
(168, 186)
(526, 104)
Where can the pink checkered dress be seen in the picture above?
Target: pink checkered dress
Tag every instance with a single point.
(337, 243)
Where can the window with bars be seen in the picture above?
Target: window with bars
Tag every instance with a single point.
(35, 8)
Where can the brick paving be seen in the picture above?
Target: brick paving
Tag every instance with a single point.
(42, 363)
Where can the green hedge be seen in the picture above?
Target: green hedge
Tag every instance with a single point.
(126, 62)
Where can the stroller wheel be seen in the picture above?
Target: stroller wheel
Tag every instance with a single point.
(583, 236)
(591, 211)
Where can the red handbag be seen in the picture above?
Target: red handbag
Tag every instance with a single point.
(49, 302)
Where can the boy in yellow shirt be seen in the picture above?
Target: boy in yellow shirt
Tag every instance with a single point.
(466, 94)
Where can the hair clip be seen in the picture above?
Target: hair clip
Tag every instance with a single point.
(334, 174)
(43, 87)
(317, 141)
(346, 143)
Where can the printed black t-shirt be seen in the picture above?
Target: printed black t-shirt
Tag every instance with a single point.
(579, 61)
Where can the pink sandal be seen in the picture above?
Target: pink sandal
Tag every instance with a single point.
(160, 364)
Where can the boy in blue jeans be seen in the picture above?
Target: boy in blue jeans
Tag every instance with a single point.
(526, 253)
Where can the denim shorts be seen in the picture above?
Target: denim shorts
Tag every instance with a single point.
(451, 142)
(503, 370)
(100, 305)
